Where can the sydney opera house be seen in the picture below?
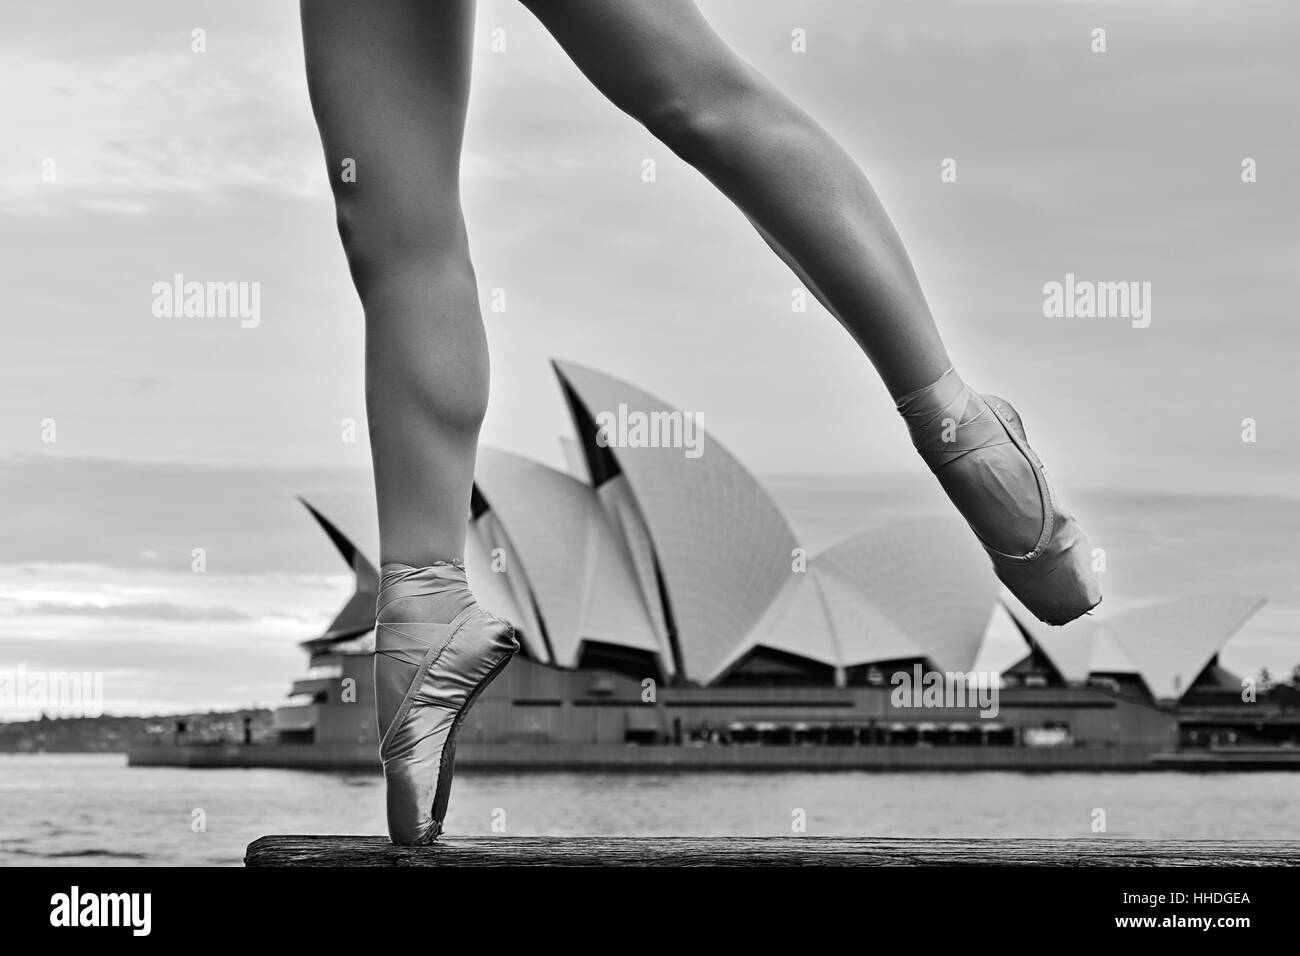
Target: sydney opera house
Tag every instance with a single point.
(669, 616)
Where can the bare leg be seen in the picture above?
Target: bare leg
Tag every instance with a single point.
(389, 82)
(663, 64)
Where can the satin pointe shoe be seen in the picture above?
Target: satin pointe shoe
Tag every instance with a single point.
(427, 677)
(947, 421)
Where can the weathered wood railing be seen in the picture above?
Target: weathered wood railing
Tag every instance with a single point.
(764, 851)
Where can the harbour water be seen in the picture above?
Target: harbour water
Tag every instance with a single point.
(93, 809)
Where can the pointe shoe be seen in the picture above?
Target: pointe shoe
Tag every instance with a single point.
(1054, 579)
(427, 676)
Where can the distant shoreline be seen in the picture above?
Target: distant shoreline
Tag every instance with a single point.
(119, 733)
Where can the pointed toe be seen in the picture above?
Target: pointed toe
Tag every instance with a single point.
(1054, 579)
(427, 677)
(1059, 585)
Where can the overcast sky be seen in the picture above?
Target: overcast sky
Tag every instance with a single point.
(1118, 166)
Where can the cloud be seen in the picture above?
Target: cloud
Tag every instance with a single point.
(1117, 166)
(150, 611)
(123, 120)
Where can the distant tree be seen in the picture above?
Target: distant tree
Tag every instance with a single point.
(1265, 680)
(1295, 677)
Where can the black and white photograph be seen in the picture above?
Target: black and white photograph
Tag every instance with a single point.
(672, 437)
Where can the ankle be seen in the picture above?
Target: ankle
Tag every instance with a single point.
(434, 594)
(948, 420)
(940, 392)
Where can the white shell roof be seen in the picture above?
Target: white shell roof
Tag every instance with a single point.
(797, 622)
(927, 579)
(863, 634)
(1167, 644)
(724, 549)
(1171, 643)
(492, 589)
(625, 516)
(577, 571)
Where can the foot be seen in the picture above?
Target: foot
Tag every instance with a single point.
(977, 448)
(995, 490)
(435, 652)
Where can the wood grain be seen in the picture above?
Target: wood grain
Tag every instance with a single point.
(763, 851)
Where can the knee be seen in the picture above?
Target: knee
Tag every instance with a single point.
(384, 234)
